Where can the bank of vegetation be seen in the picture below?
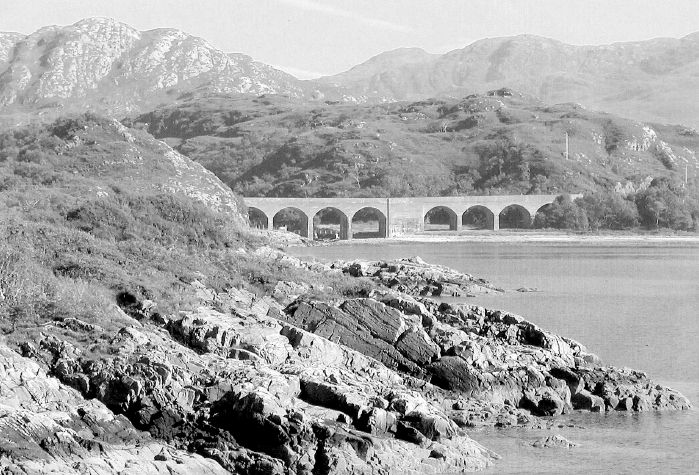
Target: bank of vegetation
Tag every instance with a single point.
(663, 204)
(84, 231)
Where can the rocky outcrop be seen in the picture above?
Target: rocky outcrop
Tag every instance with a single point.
(7, 44)
(554, 441)
(416, 277)
(474, 352)
(47, 427)
(376, 385)
(370, 327)
(255, 393)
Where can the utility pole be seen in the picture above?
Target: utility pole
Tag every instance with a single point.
(566, 145)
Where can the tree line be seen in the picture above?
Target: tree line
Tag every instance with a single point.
(663, 204)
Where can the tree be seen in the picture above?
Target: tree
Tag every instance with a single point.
(608, 210)
(563, 213)
(664, 204)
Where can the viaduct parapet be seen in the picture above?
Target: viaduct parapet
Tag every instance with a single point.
(397, 216)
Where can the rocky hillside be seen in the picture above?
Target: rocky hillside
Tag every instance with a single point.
(91, 157)
(646, 80)
(107, 65)
(500, 142)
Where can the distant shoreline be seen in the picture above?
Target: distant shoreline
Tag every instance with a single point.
(516, 237)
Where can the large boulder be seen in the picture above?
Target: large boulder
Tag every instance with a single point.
(370, 327)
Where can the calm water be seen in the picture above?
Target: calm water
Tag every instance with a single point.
(635, 306)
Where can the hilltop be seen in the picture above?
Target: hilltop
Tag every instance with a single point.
(500, 142)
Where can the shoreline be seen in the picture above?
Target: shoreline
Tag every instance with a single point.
(520, 237)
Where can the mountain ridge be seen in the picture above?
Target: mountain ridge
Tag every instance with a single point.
(103, 64)
(598, 76)
(99, 61)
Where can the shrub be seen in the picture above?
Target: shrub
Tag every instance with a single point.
(27, 291)
(613, 136)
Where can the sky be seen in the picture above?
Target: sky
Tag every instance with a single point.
(312, 38)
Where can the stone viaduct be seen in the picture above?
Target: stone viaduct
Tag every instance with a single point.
(397, 215)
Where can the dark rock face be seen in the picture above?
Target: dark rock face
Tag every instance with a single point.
(370, 327)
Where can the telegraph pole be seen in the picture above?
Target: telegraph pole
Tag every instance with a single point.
(567, 146)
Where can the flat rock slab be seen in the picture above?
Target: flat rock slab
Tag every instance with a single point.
(554, 441)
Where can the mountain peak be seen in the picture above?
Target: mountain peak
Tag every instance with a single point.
(398, 57)
(103, 63)
(394, 59)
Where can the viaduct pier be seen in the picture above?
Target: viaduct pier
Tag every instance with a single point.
(309, 217)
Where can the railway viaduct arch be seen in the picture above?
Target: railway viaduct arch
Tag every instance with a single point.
(398, 216)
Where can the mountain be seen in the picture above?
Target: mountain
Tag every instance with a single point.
(499, 142)
(101, 63)
(647, 80)
(106, 65)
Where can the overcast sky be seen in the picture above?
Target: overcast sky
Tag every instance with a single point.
(310, 38)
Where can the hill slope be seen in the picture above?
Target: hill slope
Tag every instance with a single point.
(501, 142)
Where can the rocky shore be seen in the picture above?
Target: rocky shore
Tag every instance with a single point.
(290, 383)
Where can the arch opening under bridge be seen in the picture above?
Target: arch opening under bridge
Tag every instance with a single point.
(441, 218)
(291, 219)
(515, 216)
(257, 218)
(330, 223)
(368, 222)
(478, 217)
(539, 220)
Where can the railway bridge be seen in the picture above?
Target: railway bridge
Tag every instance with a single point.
(345, 218)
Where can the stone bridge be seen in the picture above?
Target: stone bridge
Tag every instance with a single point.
(395, 216)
